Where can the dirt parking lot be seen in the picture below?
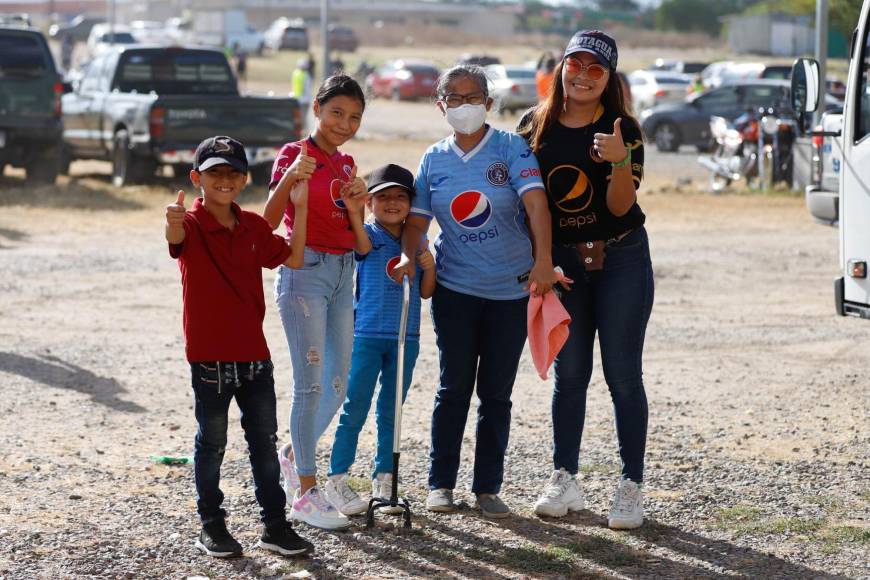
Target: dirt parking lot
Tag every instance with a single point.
(758, 444)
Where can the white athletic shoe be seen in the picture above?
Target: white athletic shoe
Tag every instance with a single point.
(561, 495)
(315, 510)
(340, 495)
(440, 500)
(382, 486)
(288, 472)
(627, 510)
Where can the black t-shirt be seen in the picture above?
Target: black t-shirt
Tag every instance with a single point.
(576, 183)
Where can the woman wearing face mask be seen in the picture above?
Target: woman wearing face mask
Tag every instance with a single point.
(481, 185)
(591, 154)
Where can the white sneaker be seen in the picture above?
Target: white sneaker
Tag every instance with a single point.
(314, 509)
(288, 472)
(340, 495)
(561, 495)
(382, 486)
(627, 510)
(440, 500)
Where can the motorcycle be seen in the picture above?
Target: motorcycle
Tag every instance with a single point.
(756, 147)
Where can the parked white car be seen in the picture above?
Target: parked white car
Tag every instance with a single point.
(654, 87)
(103, 37)
(151, 32)
(512, 87)
(287, 34)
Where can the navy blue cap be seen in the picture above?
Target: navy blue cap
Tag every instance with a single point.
(597, 43)
(220, 150)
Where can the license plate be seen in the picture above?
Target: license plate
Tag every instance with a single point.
(2, 139)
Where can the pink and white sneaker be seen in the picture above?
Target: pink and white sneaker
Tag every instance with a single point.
(314, 509)
(288, 471)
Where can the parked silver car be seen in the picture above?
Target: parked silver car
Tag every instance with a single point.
(512, 87)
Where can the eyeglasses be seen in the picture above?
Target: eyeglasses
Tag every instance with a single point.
(456, 100)
(593, 71)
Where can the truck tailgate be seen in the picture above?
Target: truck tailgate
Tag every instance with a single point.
(255, 121)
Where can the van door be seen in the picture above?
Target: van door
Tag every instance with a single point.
(855, 181)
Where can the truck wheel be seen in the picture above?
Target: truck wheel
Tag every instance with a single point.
(261, 174)
(65, 160)
(128, 168)
(44, 168)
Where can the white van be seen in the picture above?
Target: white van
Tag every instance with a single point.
(852, 290)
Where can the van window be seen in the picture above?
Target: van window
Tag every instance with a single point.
(863, 100)
(22, 57)
(175, 73)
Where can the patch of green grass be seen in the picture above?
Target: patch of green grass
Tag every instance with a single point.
(865, 495)
(831, 503)
(739, 519)
(531, 559)
(610, 553)
(359, 484)
(846, 535)
(802, 526)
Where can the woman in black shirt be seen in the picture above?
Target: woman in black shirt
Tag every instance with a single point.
(590, 151)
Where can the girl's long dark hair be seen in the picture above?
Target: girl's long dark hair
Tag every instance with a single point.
(547, 113)
(340, 85)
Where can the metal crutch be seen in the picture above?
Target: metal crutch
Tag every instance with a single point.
(395, 500)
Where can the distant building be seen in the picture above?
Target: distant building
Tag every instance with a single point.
(361, 14)
(774, 34)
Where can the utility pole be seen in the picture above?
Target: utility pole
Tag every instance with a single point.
(822, 53)
(324, 37)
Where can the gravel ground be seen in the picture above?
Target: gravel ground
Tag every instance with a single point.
(757, 453)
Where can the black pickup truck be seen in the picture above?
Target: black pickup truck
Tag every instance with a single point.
(30, 98)
(146, 107)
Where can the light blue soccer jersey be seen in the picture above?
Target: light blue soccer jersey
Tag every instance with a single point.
(483, 248)
(378, 299)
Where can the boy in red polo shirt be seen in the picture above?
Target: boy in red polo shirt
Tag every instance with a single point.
(221, 250)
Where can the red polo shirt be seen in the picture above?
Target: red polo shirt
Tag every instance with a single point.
(222, 284)
(328, 225)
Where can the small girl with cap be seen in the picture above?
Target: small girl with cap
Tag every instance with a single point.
(378, 301)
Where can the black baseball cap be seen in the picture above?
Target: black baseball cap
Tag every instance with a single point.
(220, 150)
(599, 44)
(391, 176)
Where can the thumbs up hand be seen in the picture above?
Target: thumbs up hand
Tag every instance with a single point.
(611, 147)
(303, 166)
(175, 211)
(425, 258)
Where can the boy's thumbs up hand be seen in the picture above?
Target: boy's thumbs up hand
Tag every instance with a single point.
(175, 211)
(424, 257)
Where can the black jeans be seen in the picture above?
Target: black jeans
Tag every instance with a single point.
(479, 341)
(616, 302)
(215, 384)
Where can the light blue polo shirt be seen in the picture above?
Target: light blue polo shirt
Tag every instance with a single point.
(484, 248)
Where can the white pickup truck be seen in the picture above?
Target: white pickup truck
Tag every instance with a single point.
(852, 290)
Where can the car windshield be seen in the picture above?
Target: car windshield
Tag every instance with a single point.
(118, 38)
(176, 73)
(672, 80)
(21, 57)
(422, 69)
(520, 73)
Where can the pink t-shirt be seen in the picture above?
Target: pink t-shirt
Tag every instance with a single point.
(328, 225)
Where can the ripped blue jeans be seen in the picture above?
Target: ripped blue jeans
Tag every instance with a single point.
(316, 307)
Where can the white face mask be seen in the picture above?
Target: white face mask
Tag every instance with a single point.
(466, 119)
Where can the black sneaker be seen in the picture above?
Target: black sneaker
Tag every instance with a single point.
(282, 538)
(216, 541)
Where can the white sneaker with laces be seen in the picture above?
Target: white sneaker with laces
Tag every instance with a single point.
(315, 510)
(627, 510)
(340, 495)
(288, 472)
(382, 486)
(561, 495)
(440, 500)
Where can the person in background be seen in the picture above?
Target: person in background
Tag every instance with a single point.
(591, 153)
(544, 75)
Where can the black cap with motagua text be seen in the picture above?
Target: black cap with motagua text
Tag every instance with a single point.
(220, 150)
(597, 43)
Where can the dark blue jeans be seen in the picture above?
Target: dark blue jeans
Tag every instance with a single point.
(215, 384)
(616, 302)
(480, 341)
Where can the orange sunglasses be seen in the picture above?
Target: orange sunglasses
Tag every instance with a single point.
(593, 72)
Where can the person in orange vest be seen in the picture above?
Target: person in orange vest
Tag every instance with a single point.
(544, 75)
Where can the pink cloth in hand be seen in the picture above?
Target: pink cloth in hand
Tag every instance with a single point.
(548, 327)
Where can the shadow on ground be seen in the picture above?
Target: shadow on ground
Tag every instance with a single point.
(54, 372)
